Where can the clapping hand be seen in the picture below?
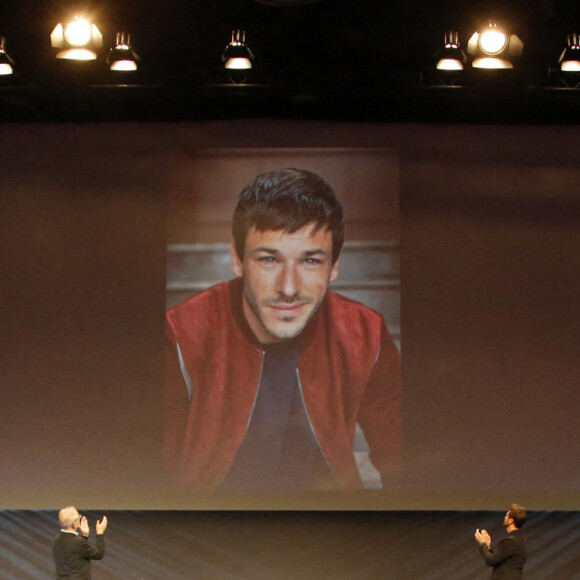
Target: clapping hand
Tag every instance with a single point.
(101, 525)
(482, 537)
(84, 527)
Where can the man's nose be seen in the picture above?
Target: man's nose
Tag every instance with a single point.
(289, 281)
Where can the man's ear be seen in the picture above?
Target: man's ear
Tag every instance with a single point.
(334, 270)
(236, 262)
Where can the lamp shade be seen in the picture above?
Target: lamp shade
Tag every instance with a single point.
(77, 39)
(6, 63)
(121, 57)
(569, 60)
(450, 56)
(237, 55)
(493, 47)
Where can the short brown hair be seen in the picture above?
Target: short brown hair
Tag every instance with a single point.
(288, 199)
(518, 514)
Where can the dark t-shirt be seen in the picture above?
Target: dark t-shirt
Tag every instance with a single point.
(279, 452)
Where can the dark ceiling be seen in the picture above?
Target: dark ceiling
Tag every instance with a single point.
(332, 59)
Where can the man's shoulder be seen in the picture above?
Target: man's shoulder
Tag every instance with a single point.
(208, 303)
(340, 304)
(201, 315)
(345, 318)
(66, 538)
(514, 543)
(515, 536)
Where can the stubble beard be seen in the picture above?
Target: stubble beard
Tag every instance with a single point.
(284, 320)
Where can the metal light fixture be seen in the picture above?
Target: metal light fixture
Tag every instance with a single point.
(450, 57)
(493, 47)
(569, 60)
(78, 39)
(237, 57)
(122, 57)
(6, 63)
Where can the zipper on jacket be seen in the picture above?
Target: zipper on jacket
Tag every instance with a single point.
(255, 400)
(334, 475)
(185, 373)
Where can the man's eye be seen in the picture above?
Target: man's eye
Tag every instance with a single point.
(313, 261)
(267, 260)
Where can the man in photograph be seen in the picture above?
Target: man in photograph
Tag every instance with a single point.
(269, 374)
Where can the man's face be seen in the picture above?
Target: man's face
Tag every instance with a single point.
(286, 277)
(507, 521)
(77, 521)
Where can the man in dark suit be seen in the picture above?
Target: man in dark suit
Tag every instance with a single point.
(72, 550)
(509, 556)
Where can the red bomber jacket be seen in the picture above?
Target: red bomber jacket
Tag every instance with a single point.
(348, 372)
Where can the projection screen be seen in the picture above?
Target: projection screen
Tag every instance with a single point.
(469, 253)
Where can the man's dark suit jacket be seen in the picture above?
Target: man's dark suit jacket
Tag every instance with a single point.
(508, 558)
(73, 555)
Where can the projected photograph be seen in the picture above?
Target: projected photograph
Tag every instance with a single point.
(283, 322)
(216, 323)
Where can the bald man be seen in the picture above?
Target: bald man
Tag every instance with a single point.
(72, 550)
